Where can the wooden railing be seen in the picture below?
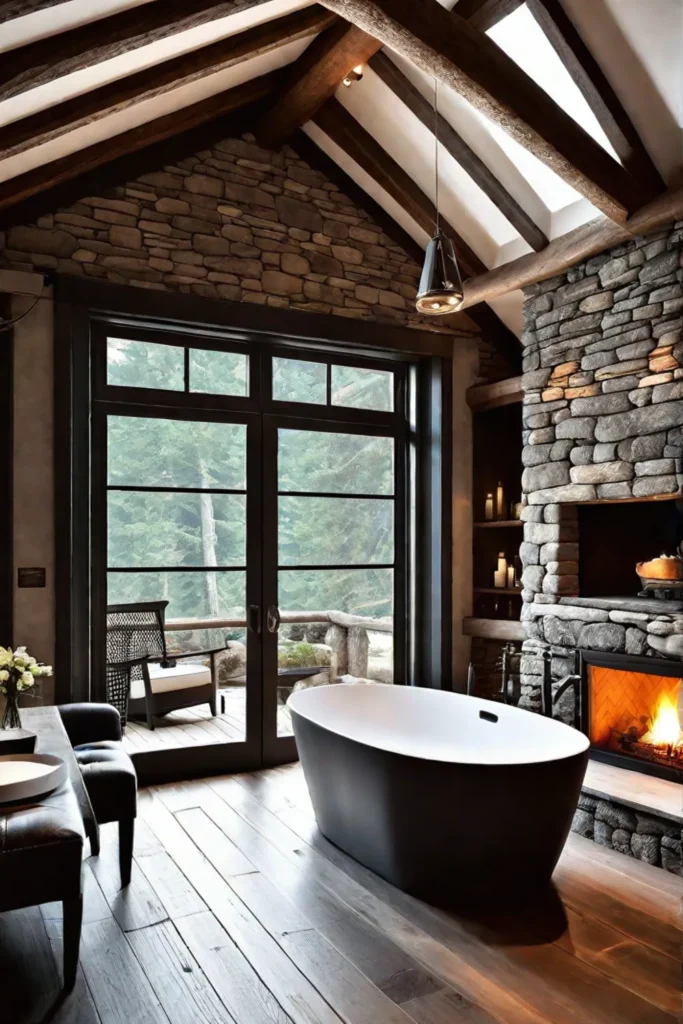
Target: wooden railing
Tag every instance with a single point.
(347, 635)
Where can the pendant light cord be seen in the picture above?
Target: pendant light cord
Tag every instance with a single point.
(436, 156)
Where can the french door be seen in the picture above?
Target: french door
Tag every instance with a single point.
(263, 493)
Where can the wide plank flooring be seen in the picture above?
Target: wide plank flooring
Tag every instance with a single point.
(240, 912)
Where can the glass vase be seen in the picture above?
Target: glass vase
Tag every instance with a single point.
(10, 717)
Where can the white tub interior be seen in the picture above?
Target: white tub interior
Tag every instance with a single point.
(437, 725)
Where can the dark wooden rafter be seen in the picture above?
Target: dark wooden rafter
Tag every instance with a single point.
(314, 78)
(495, 331)
(343, 129)
(465, 59)
(24, 186)
(484, 14)
(42, 61)
(10, 9)
(575, 247)
(48, 124)
(449, 138)
(601, 97)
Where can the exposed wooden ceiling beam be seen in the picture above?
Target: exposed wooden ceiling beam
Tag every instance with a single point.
(482, 316)
(574, 247)
(314, 78)
(48, 124)
(22, 187)
(10, 9)
(465, 59)
(484, 14)
(601, 97)
(42, 61)
(340, 126)
(454, 143)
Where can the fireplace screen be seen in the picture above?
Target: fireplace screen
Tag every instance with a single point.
(637, 715)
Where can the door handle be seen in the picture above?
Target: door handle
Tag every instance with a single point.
(254, 618)
(273, 618)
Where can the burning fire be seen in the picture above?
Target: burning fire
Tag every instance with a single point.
(666, 728)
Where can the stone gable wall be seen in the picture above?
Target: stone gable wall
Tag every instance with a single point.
(241, 223)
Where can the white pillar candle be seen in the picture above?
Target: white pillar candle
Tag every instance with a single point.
(488, 508)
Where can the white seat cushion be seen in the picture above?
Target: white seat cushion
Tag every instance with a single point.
(164, 680)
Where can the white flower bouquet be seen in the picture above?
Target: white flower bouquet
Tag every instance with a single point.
(18, 672)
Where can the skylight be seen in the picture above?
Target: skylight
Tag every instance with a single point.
(523, 39)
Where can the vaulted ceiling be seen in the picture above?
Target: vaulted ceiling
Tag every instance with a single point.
(559, 121)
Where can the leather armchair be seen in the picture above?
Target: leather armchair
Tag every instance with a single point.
(89, 723)
(94, 731)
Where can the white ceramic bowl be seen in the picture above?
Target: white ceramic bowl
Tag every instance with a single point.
(28, 776)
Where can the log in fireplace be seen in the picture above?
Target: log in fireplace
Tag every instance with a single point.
(631, 708)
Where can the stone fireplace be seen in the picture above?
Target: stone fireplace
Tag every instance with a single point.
(603, 425)
(603, 489)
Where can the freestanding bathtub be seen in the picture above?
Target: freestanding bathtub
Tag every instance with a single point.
(457, 800)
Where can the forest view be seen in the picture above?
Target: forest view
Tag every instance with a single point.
(192, 546)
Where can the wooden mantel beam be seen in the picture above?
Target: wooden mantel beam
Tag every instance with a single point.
(466, 60)
(313, 79)
(574, 247)
(61, 118)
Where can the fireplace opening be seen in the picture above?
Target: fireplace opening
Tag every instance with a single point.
(633, 712)
(615, 536)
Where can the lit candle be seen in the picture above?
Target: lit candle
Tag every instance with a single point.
(500, 574)
(500, 502)
(511, 576)
(488, 508)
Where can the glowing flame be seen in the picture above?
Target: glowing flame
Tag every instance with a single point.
(666, 729)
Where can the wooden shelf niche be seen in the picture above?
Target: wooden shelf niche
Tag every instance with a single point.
(497, 457)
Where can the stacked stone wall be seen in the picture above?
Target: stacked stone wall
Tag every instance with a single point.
(241, 223)
(603, 400)
(602, 421)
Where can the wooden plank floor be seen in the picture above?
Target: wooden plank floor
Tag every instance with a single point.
(240, 912)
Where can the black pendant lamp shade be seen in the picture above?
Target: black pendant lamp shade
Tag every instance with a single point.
(440, 288)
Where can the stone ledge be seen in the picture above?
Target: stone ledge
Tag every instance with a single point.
(635, 790)
(634, 814)
(646, 605)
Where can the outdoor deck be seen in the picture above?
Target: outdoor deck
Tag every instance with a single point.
(193, 727)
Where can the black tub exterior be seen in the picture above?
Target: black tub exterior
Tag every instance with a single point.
(453, 834)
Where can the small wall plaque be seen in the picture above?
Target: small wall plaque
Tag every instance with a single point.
(31, 577)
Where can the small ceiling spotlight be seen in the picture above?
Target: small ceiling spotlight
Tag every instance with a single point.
(354, 75)
(440, 289)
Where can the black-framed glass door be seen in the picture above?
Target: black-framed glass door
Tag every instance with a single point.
(263, 493)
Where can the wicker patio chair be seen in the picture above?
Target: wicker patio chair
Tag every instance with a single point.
(142, 679)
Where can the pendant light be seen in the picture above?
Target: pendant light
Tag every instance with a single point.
(441, 289)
